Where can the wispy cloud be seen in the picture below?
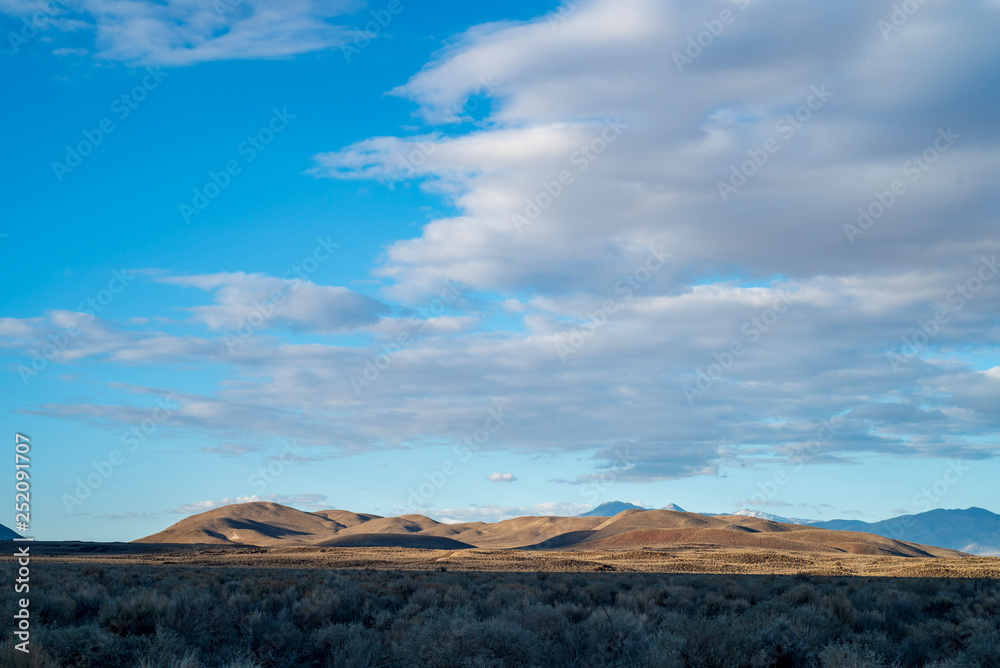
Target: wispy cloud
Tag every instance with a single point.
(184, 32)
(242, 299)
(307, 502)
(494, 513)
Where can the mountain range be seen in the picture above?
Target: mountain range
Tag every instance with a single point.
(973, 530)
(270, 524)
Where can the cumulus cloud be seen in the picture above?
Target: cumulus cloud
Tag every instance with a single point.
(759, 324)
(501, 477)
(683, 132)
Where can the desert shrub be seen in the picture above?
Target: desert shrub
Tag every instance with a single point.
(619, 637)
(720, 644)
(983, 648)
(165, 650)
(800, 594)
(785, 646)
(446, 640)
(88, 597)
(900, 607)
(346, 646)
(849, 655)
(134, 613)
(57, 607)
(274, 639)
(840, 608)
(86, 646)
(180, 617)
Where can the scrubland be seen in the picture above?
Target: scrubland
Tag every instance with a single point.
(186, 617)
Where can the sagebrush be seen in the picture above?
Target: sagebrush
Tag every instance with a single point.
(173, 616)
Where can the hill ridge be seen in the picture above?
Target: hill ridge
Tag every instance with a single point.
(265, 524)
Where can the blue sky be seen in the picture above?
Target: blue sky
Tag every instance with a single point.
(478, 261)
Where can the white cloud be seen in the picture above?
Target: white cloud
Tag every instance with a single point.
(307, 502)
(619, 393)
(501, 477)
(494, 513)
(183, 32)
(255, 301)
(657, 183)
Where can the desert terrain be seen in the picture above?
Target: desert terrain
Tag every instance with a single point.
(269, 535)
(261, 585)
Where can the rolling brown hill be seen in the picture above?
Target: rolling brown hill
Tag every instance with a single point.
(258, 523)
(271, 524)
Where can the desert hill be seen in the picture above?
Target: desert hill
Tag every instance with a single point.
(258, 523)
(635, 529)
(345, 518)
(271, 524)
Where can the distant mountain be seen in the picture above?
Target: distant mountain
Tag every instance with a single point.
(774, 518)
(972, 530)
(8, 534)
(610, 509)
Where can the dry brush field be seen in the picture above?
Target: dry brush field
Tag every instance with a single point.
(129, 610)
